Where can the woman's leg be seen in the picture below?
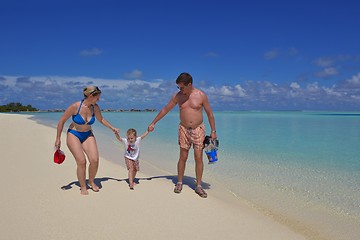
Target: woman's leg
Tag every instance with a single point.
(91, 151)
(76, 149)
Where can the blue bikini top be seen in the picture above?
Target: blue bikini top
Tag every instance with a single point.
(78, 119)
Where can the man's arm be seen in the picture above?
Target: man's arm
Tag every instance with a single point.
(171, 104)
(210, 116)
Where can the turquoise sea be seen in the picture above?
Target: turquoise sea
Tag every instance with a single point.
(301, 168)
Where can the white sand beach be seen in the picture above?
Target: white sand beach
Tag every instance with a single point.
(41, 199)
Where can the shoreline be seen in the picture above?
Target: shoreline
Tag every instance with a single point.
(27, 149)
(312, 219)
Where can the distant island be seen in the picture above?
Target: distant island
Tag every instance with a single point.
(109, 110)
(18, 107)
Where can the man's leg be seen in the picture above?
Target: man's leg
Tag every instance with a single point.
(181, 169)
(182, 163)
(199, 166)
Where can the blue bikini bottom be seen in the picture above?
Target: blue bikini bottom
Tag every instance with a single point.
(82, 136)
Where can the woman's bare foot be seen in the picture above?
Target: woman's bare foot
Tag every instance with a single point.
(94, 187)
(84, 191)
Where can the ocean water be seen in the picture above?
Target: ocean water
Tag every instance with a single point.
(301, 168)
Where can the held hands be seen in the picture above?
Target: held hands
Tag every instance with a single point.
(151, 127)
(117, 135)
(116, 130)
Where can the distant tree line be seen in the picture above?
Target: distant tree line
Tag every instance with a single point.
(16, 107)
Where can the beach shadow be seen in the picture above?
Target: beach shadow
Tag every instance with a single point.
(98, 182)
(189, 181)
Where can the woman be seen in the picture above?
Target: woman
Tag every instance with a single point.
(80, 138)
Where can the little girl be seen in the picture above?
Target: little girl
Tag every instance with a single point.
(132, 153)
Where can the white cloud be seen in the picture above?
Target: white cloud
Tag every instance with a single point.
(56, 92)
(135, 74)
(59, 92)
(313, 87)
(272, 54)
(240, 91)
(267, 87)
(329, 71)
(211, 54)
(91, 52)
(332, 60)
(324, 61)
(356, 97)
(226, 91)
(281, 52)
(355, 81)
(294, 85)
(293, 51)
(332, 91)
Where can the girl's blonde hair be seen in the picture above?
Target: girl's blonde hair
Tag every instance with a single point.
(131, 131)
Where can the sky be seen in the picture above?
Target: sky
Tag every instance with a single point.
(245, 55)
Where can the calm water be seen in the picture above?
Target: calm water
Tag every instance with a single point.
(303, 168)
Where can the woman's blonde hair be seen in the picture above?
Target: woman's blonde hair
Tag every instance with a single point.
(91, 90)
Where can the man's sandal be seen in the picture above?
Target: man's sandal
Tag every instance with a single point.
(201, 192)
(178, 188)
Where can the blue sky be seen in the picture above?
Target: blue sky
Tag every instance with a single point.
(246, 55)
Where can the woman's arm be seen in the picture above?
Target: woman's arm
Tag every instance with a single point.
(102, 120)
(60, 126)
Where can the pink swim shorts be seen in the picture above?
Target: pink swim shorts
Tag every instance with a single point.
(132, 165)
(191, 136)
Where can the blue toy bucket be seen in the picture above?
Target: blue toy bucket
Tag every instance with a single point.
(212, 156)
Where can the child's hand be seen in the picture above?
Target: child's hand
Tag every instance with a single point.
(118, 136)
(145, 134)
(151, 127)
(116, 130)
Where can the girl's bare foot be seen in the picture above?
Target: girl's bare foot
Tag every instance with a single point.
(84, 191)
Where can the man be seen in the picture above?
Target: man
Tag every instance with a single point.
(191, 132)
